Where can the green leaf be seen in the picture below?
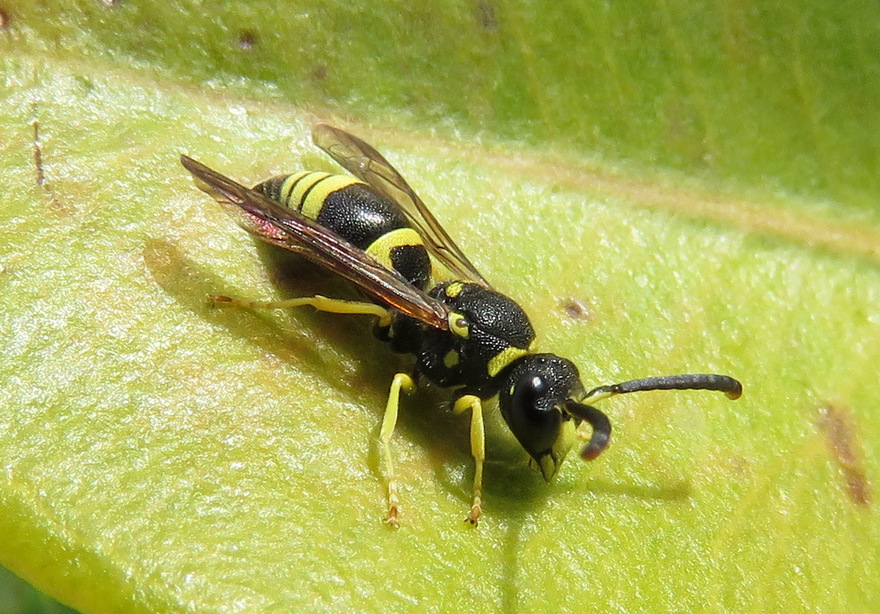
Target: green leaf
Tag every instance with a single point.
(665, 188)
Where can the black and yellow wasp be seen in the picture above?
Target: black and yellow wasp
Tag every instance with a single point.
(430, 301)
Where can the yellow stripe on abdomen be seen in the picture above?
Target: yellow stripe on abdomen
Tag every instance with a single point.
(381, 248)
(287, 187)
(296, 186)
(317, 192)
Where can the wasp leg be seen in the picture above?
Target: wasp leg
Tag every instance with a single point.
(478, 449)
(404, 382)
(321, 303)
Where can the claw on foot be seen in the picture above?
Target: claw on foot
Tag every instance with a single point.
(473, 516)
(391, 520)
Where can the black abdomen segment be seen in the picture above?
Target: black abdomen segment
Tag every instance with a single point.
(354, 211)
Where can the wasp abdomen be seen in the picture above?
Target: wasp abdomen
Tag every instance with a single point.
(354, 211)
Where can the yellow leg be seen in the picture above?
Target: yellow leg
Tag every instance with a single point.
(404, 382)
(321, 303)
(478, 449)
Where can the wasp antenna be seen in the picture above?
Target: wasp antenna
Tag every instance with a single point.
(698, 381)
(601, 428)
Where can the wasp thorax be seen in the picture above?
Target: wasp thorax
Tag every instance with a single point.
(488, 330)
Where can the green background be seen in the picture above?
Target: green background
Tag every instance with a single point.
(665, 187)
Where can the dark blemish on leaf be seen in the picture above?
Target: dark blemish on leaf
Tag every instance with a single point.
(836, 424)
(486, 16)
(576, 309)
(4, 19)
(247, 39)
(38, 158)
(38, 150)
(320, 73)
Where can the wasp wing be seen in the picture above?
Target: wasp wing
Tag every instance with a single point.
(291, 230)
(364, 162)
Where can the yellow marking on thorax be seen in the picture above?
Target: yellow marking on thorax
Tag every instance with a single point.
(458, 325)
(454, 289)
(503, 358)
(380, 249)
(321, 189)
(451, 359)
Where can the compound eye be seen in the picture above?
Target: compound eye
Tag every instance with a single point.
(534, 418)
(527, 393)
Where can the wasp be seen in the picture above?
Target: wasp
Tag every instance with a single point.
(430, 301)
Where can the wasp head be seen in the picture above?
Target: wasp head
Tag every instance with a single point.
(537, 402)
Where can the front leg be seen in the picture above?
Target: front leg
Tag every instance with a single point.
(478, 449)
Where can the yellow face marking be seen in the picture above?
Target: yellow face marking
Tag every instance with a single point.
(320, 190)
(454, 289)
(458, 324)
(567, 437)
(451, 359)
(380, 249)
(504, 358)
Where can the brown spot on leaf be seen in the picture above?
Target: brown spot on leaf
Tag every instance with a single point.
(576, 309)
(247, 39)
(320, 72)
(841, 437)
(486, 16)
(4, 19)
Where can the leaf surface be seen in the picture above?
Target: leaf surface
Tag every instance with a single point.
(667, 190)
